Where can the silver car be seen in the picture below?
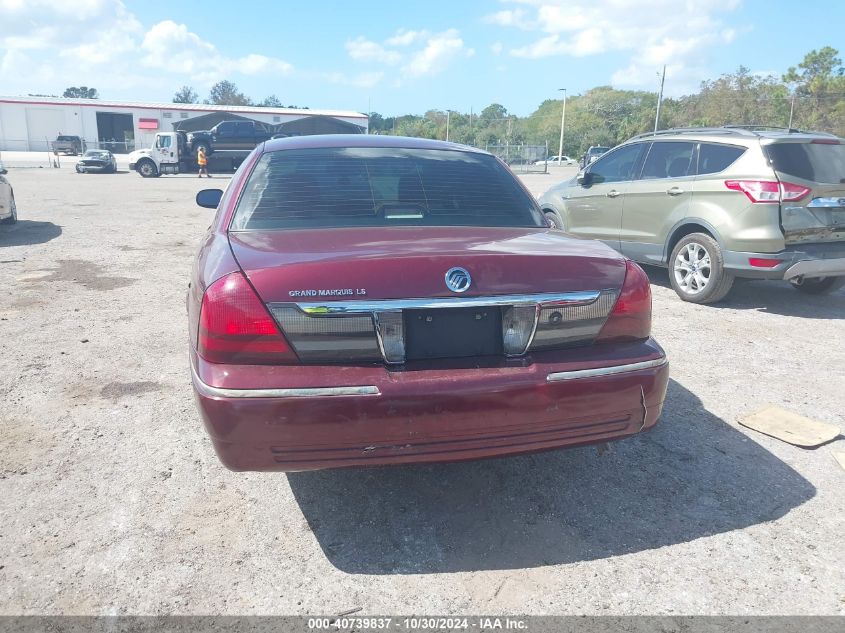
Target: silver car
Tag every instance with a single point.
(8, 210)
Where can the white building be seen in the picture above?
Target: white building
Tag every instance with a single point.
(33, 123)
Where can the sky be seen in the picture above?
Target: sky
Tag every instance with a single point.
(400, 57)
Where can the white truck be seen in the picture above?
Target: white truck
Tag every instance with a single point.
(170, 154)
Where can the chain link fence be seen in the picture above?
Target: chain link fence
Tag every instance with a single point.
(522, 158)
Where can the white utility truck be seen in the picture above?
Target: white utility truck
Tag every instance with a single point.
(170, 154)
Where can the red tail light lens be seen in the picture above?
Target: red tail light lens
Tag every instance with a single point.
(763, 262)
(236, 328)
(630, 319)
(768, 190)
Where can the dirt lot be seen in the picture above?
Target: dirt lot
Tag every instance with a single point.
(113, 501)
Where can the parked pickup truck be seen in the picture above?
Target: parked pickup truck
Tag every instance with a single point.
(72, 145)
(229, 135)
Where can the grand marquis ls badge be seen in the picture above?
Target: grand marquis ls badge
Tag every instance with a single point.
(458, 279)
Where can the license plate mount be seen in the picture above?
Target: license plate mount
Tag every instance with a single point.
(453, 333)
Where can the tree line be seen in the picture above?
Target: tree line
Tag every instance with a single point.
(811, 96)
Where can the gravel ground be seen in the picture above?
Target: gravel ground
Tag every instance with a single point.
(114, 503)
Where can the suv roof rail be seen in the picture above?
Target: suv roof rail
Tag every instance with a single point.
(741, 130)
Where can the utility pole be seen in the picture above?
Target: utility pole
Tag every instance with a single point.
(369, 111)
(562, 126)
(791, 111)
(659, 99)
(447, 125)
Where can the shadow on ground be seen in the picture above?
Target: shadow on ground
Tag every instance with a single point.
(28, 232)
(777, 297)
(691, 477)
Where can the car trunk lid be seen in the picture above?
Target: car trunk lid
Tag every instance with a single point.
(381, 294)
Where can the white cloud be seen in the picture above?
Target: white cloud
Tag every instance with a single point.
(438, 51)
(362, 49)
(652, 32)
(102, 43)
(170, 47)
(497, 48)
(416, 53)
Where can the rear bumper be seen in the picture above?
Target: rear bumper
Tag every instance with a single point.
(808, 260)
(307, 417)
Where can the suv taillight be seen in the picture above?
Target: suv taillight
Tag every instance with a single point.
(236, 328)
(768, 190)
(630, 318)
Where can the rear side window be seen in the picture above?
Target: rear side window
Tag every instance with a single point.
(668, 160)
(713, 158)
(369, 186)
(819, 162)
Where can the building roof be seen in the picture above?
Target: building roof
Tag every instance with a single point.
(191, 107)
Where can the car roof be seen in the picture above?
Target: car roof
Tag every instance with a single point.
(744, 134)
(324, 141)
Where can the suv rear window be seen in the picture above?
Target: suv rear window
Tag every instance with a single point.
(66, 138)
(713, 158)
(369, 186)
(819, 162)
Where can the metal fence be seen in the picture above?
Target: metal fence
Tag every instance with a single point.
(522, 158)
(50, 145)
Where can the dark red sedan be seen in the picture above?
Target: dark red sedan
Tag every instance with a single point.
(363, 300)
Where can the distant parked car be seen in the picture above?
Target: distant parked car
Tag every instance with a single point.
(8, 210)
(592, 154)
(713, 204)
(564, 160)
(100, 160)
(72, 145)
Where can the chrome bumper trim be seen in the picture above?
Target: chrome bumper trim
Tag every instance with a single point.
(391, 305)
(816, 268)
(606, 371)
(309, 392)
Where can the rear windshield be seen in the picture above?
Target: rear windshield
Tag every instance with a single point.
(358, 186)
(819, 162)
(66, 138)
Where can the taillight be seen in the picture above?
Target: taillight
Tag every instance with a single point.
(630, 318)
(236, 328)
(768, 190)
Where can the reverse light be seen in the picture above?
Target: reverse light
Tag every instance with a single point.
(630, 319)
(236, 328)
(768, 190)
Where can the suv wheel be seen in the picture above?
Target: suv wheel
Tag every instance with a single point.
(697, 270)
(818, 285)
(554, 220)
(12, 219)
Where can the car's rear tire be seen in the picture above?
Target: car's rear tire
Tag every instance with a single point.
(12, 219)
(697, 270)
(818, 285)
(146, 168)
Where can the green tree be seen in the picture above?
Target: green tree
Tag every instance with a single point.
(226, 93)
(82, 92)
(271, 102)
(819, 88)
(186, 94)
